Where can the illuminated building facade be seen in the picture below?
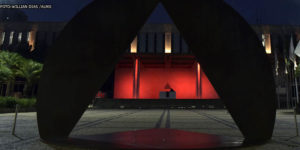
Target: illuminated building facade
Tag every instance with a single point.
(158, 60)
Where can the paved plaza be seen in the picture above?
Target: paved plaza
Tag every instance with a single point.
(104, 121)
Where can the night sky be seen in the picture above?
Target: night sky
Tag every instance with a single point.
(254, 11)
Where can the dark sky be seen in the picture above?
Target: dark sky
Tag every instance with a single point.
(254, 11)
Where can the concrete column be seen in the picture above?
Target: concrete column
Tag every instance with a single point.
(159, 43)
(151, 42)
(176, 43)
(142, 42)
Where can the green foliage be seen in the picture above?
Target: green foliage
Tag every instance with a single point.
(13, 65)
(26, 102)
(5, 73)
(7, 102)
(19, 66)
(11, 60)
(30, 70)
(10, 102)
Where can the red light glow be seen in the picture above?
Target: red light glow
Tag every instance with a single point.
(123, 86)
(146, 82)
(136, 78)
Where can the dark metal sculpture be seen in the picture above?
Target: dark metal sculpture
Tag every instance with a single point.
(94, 40)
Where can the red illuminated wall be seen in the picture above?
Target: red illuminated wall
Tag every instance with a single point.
(123, 85)
(154, 80)
(207, 89)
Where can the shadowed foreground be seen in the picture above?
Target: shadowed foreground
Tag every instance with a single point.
(108, 122)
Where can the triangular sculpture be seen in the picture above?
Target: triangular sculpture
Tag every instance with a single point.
(96, 38)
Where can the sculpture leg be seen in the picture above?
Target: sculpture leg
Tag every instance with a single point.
(233, 59)
(82, 58)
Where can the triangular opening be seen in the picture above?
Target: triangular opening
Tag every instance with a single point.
(159, 57)
(157, 65)
(159, 15)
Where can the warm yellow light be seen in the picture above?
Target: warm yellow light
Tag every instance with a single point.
(31, 37)
(133, 46)
(267, 43)
(168, 42)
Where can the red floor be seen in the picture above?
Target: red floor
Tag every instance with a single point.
(161, 138)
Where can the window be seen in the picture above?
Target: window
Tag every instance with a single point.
(28, 36)
(11, 36)
(168, 42)
(20, 37)
(133, 46)
(266, 42)
(2, 38)
(31, 39)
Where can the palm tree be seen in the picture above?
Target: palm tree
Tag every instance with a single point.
(30, 70)
(5, 75)
(13, 61)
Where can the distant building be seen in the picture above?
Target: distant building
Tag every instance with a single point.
(159, 60)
